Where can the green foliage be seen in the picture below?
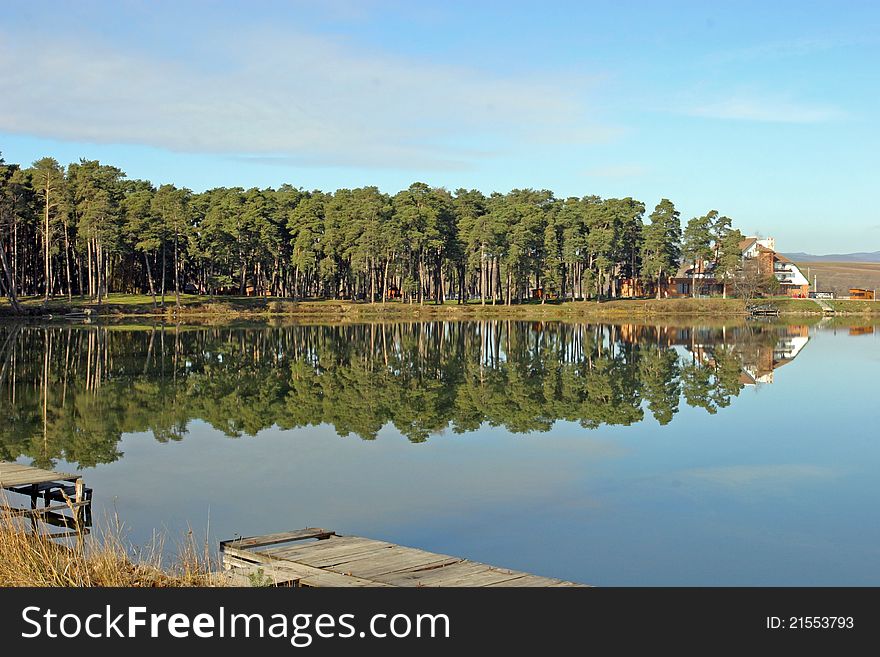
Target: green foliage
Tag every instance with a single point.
(697, 238)
(259, 578)
(108, 233)
(661, 246)
(71, 392)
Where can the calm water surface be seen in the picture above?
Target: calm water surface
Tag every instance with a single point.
(608, 454)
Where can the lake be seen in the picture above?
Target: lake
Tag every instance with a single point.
(629, 454)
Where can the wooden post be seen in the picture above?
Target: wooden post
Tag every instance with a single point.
(79, 496)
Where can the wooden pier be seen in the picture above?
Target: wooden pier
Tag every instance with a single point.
(827, 308)
(66, 502)
(763, 310)
(316, 557)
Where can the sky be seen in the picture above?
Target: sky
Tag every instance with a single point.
(766, 112)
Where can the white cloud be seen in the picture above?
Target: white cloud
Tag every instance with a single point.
(744, 108)
(283, 96)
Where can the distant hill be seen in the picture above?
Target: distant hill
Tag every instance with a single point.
(839, 277)
(873, 256)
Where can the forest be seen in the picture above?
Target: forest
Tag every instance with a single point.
(72, 392)
(87, 230)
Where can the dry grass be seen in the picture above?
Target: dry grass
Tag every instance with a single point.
(839, 277)
(33, 558)
(257, 308)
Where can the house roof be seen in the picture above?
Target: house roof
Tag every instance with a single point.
(747, 243)
(684, 270)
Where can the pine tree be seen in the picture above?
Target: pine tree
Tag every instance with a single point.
(661, 248)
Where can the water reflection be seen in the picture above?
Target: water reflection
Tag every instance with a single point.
(70, 392)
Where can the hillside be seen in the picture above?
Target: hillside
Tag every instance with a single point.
(865, 256)
(838, 277)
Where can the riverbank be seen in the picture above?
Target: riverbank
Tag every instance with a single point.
(34, 559)
(126, 305)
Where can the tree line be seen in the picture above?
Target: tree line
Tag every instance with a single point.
(72, 392)
(87, 229)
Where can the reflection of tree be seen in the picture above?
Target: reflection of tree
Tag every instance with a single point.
(660, 374)
(71, 392)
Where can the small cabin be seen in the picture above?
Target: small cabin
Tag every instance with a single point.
(539, 293)
(862, 294)
(393, 292)
(633, 287)
(252, 290)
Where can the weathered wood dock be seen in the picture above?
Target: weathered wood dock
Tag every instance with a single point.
(315, 557)
(66, 500)
(827, 308)
(763, 310)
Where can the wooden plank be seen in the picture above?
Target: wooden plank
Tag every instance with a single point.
(11, 466)
(393, 558)
(284, 537)
(334, 544)
(535, 580)
(575, 584)
(15, 511)
(435, 577)
(422, 563)
(334, 554)
(7, 469)
(355, 561)
(465, 573)
(21, 478)
(338, 559)
(308, 575)
(384, 560)
(489, 576)
(246, 576)
(423, 568)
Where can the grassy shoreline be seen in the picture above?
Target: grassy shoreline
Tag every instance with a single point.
(29, 558)
(125, 305)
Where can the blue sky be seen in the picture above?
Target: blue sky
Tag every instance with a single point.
(764, 111)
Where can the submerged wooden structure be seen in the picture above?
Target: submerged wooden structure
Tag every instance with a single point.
(315, 557)
(56, 498)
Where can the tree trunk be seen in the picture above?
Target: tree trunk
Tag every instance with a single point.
(10, 280)
(89, 268)
(99, 259)
(67, 260)
(150, 279)
(46, 239)
(177, 272)
(79, 278)
(162, 286)
(483, 277)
